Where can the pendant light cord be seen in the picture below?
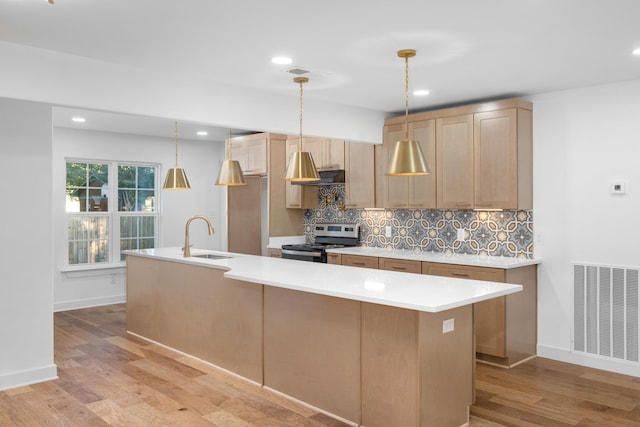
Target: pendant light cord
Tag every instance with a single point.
(176, 132)
(228, 146)
(406, 98)
(301, 109)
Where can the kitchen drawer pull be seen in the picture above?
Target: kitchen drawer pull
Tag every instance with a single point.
(462, 205)
(395, 267)
(358, 263)
(460, 274)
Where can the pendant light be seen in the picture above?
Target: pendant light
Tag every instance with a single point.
(301, 167)
(230, 171)
(176, 178)
(407, 158)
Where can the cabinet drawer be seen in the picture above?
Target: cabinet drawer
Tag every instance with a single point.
(403, 265)
(275, 253)
(463, 271)
(360, 261)
(334, 258)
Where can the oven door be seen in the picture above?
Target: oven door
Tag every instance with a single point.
(313, 256)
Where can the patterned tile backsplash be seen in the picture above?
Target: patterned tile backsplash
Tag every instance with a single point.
(496, 233)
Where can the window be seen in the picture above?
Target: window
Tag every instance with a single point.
(100, 228)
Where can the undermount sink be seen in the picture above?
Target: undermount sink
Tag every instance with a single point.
(211, 256)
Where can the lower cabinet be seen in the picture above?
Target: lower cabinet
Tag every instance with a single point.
(274, 253)
(506, 327)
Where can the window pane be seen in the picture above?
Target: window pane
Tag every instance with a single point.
(127, 200)
(127, 176)
(128, 226)
(88, 239)
(146, 200)
(146, 177)
(147, 226)
(87, 187)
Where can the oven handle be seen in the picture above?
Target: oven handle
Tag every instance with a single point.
(304, 253)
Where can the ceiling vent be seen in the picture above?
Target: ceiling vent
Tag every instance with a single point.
(297, 71)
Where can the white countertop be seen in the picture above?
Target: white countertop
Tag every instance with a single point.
(405, 290)
(462, 259)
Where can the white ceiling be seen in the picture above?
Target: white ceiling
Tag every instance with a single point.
(468, 50)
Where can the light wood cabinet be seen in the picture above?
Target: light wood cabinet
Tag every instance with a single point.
(417, 192)
(359, 175)
(484, 158)
(259, 210)
(360, 261)
(327, 153)
(275, 253)
(298, 196)
(251, 152)
(503, 159)
(506, 327)
(401, 265)
(334, 258)
(454, 165)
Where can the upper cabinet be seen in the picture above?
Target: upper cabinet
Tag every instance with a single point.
(328, 154)
(359, 172)
(417, 192)
(251, 152)
(480, 157)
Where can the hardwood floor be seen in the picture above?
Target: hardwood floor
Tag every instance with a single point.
(108, 378)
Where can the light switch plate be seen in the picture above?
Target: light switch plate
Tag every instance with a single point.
(618, 187)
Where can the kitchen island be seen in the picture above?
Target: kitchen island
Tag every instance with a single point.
(370, 347)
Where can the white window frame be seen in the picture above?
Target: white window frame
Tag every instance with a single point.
(113, 214)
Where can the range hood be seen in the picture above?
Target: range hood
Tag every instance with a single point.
(329, 177)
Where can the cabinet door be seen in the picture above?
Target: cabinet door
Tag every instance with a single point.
(256, 156)
(293, 195)
(359, 182)
(454, 147)
(315, 146)
(401, 265)
(334, 154)
(422, 189)
(239, 153)
(496, 159)
(275, 253)
(360, 261)
(395, 189)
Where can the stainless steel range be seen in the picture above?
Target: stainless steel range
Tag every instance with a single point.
(326, 236)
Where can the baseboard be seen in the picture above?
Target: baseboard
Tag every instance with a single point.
(24, 378)
(588, 360)
(86, 303)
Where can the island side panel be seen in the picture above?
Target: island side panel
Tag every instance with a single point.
(198, 311)
(141, 274)
(446, 367)
(390, 367)
(312, 349)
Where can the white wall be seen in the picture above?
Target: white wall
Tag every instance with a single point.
(583, 140)
(201, 161)
(26, 315)
(80, 82)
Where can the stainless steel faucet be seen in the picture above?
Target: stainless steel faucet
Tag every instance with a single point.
(187, 245)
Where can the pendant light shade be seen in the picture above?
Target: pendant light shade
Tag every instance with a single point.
(301, 166)
(407, 158)
(176, 177)
(230, 171)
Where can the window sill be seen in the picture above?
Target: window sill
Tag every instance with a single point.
(93, 270)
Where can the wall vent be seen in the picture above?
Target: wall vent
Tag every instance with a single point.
(605, 311)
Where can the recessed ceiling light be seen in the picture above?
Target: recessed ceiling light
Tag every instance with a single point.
(78, 119)
(636, 51)
(421, 92)
(281, 60)
(202, 133)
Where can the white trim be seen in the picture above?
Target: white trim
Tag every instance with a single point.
(87, 303)
(589, 360)
(25, 378)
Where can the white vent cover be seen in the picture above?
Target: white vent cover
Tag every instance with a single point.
(605, 311)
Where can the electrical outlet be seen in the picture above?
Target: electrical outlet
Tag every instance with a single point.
(460, 234)
(447, 326)
(387, 231)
